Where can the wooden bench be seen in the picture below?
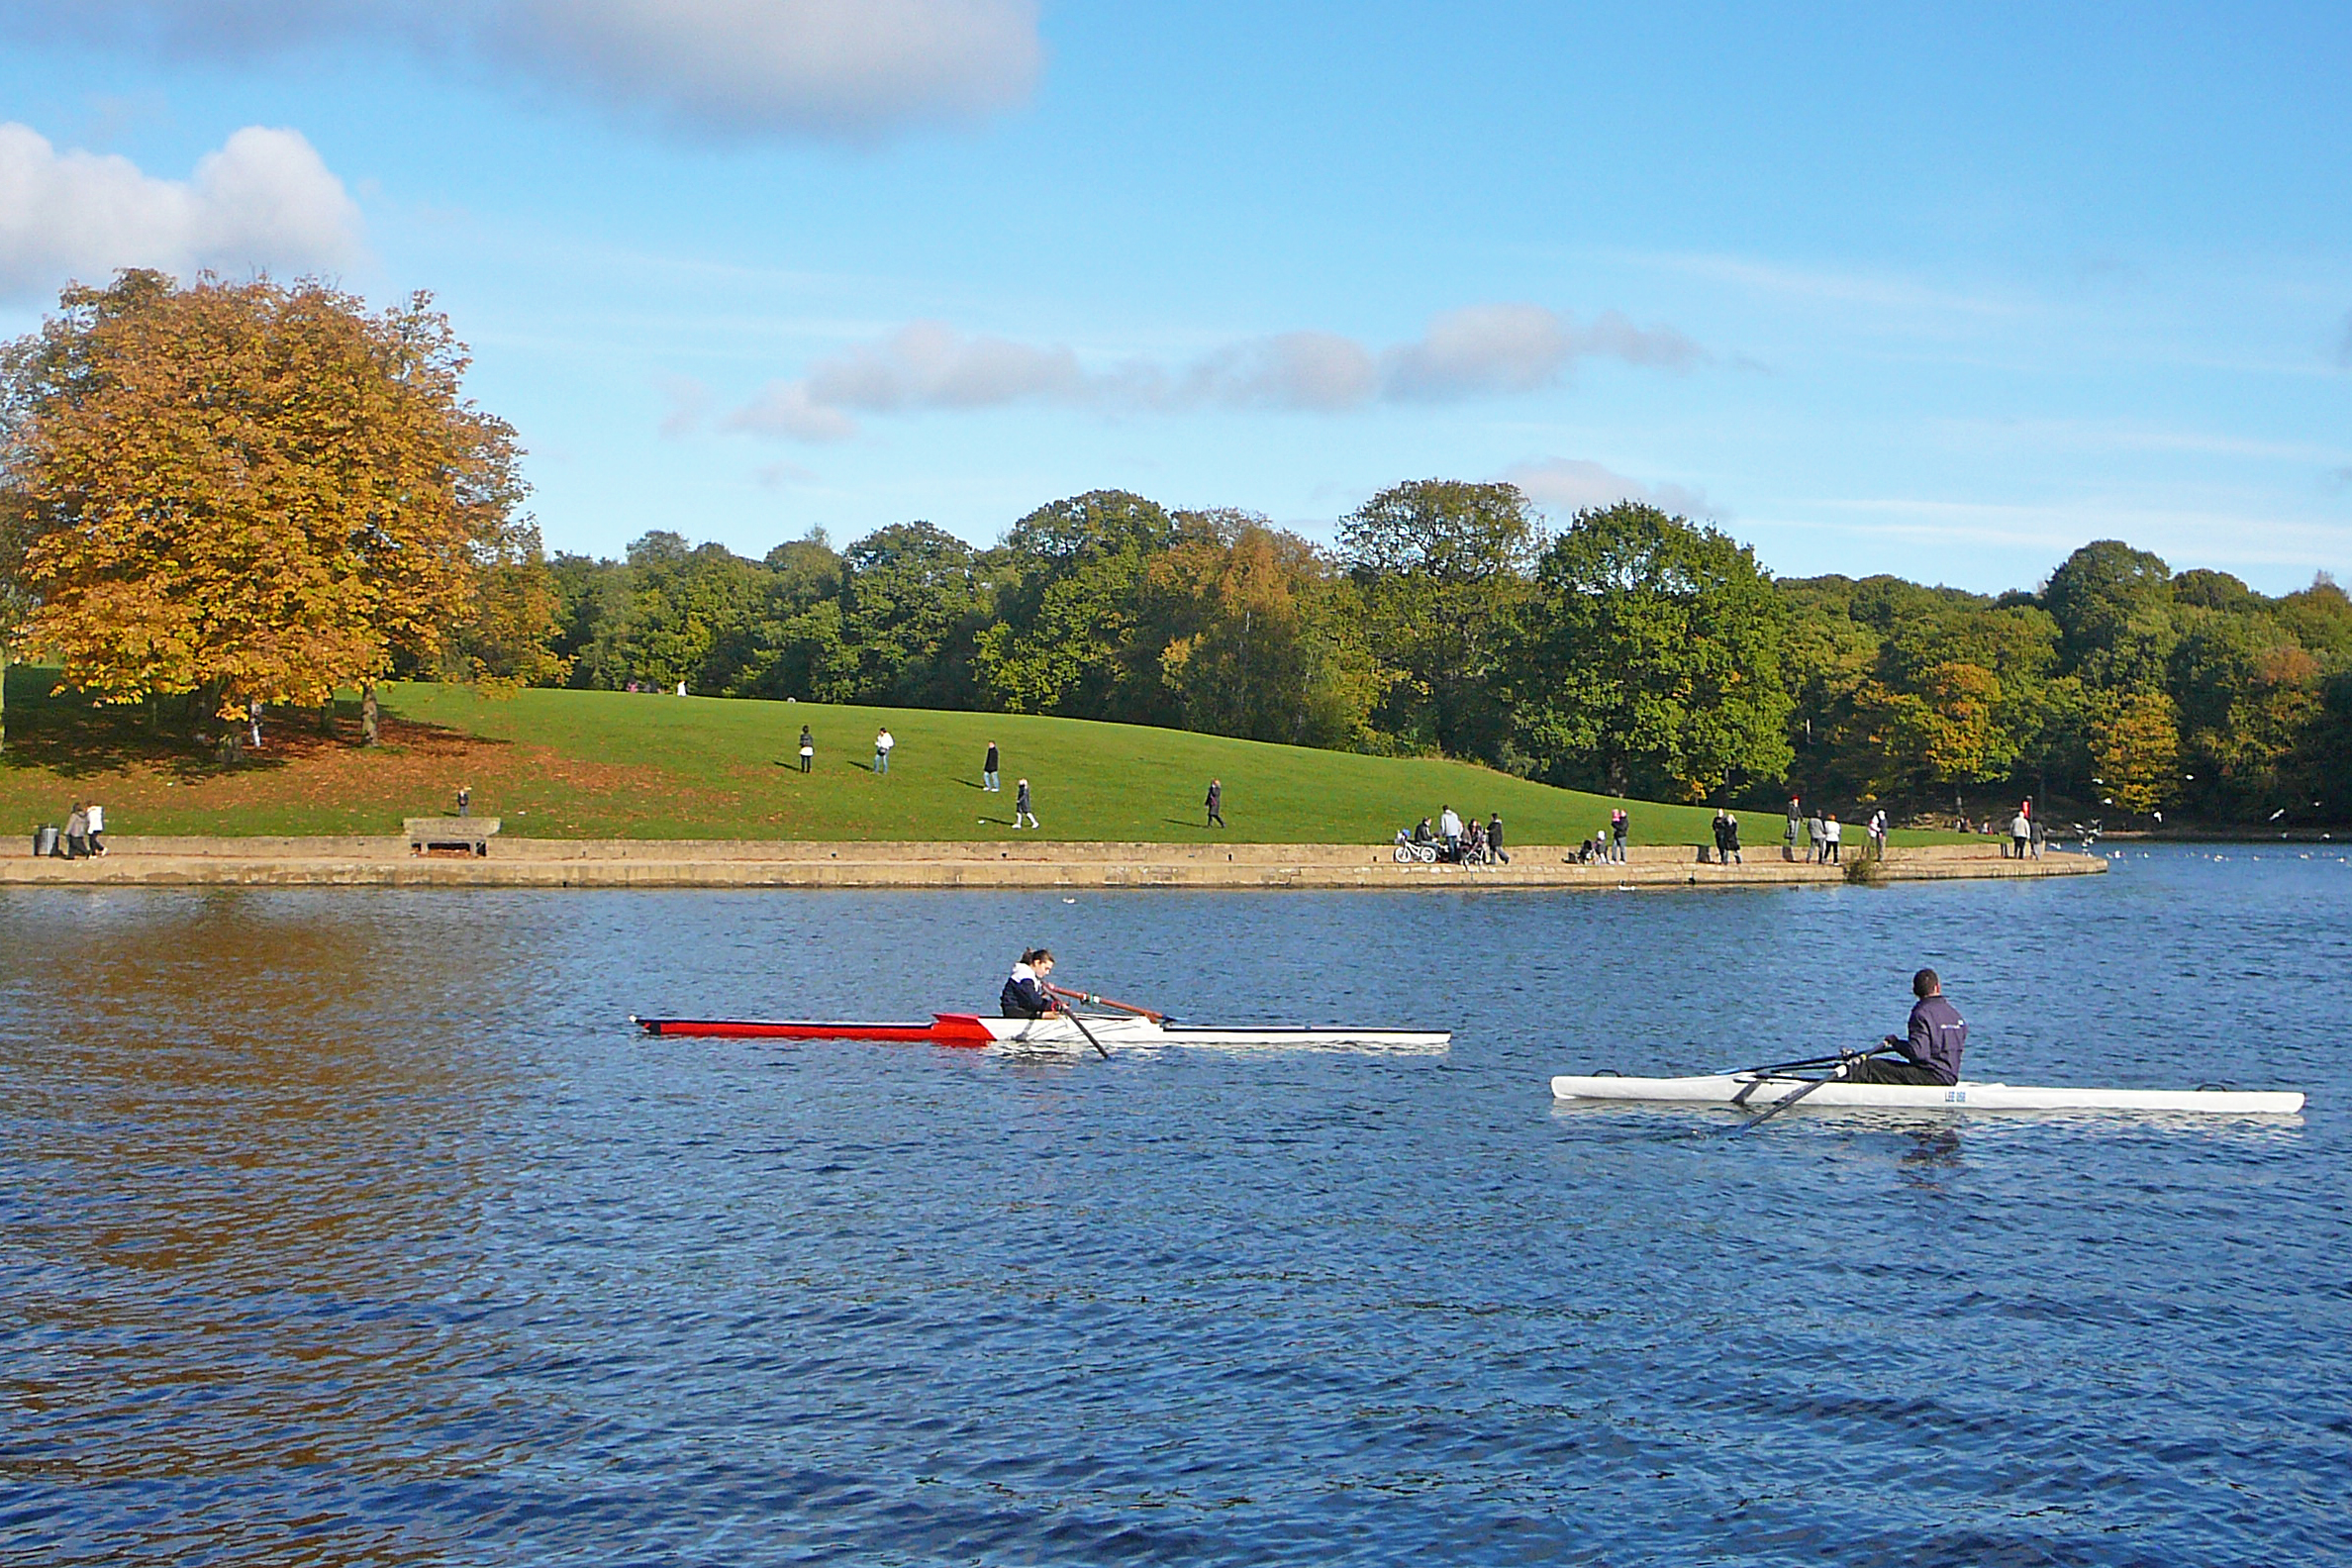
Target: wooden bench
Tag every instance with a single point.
(450, 835)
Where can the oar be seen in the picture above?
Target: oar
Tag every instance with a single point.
(1072, 1015)
(1779, 1106)
(1773, 1067)
(1104, 1001)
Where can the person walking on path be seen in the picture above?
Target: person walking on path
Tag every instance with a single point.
(2020, 832)
(2041, 835)
(78, 833)
(1450, 828)
(1216, 803)
(1795, 821)
(1620, 827)
(1815, 838)
(883, 743)
(808, 749)
(988, 771)
(1495, 835)
(1022, 817)
(97, 822)
(1726, 837)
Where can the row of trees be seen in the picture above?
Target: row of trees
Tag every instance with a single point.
(1629, 650)
(226, 495)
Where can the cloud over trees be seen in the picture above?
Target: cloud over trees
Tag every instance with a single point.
(1479, 350)
(263, 199)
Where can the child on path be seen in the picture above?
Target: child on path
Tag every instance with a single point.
(1020, 805)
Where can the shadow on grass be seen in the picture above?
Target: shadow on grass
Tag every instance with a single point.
(76, 740)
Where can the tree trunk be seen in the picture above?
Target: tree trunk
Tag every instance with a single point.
(367, 714)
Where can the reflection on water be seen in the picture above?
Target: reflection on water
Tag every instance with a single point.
(355, 1228)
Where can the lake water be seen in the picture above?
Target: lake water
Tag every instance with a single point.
(348, 1228)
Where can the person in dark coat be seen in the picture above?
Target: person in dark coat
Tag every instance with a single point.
(1930, 1047)
(1495, 835)
(1025, 994)
(987, 771)
(1022, 817)
(808, 749)
(78, 833)
(1215, 804)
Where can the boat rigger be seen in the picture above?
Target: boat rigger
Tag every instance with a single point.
(1055, 1032)
(1762, 1091)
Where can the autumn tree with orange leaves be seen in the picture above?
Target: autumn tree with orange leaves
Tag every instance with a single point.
(248, 492)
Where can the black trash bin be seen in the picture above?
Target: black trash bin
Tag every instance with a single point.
(44, 842)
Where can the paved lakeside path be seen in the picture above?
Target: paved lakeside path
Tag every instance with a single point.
(1037, 863)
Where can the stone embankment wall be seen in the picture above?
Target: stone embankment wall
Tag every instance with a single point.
(1030, 863)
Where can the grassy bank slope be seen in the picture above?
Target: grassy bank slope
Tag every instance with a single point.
(610, 764)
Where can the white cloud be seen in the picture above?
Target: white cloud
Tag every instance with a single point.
(1571, 484)
(265, 199)
(855, 70)
(1482, 351)
(785, 409)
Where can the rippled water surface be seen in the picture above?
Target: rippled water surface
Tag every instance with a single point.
(358, 1228)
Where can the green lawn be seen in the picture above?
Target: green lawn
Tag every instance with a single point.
(610, 764)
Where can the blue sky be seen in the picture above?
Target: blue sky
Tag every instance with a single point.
(1940, 293)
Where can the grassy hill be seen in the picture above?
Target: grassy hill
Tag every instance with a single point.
(609, 764)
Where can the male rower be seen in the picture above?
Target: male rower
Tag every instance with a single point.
(1931, 1052)
(1025, 995)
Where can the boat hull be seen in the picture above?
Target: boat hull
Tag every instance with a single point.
(1052, 1032)
(1759, 1093)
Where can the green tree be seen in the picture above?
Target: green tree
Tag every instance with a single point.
(1651, 658)
(1066, 582)
(1443, 567)
(2114, 608)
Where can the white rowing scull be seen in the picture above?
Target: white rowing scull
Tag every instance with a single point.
(1762, 1091)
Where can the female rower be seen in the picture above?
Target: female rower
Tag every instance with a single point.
(1025, 995)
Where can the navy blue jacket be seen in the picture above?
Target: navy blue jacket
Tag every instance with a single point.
(1025, 995)
(1938, 1035)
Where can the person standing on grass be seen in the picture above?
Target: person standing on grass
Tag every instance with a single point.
(1215, 804)
(1495, 835)
(883, 741)
(1022, 816)
(987, 771)
(808, 749)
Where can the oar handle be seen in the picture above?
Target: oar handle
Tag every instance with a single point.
(1104, 1001)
